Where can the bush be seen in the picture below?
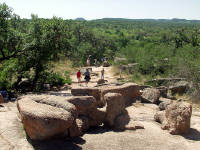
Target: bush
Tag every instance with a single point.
(7, 71)
(52, 78)
(55, 79)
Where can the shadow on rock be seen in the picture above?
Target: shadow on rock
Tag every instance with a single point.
(193, 134)
(98, 130)
(121, 121)
(60, 94)
(58, 144)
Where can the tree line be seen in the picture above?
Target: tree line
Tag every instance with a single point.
(28, 46)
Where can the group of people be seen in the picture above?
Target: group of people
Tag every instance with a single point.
(87, 72)
(87, 75)
(95, 61)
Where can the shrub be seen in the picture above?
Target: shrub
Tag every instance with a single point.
(55, 79)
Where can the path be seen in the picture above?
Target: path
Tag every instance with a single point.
(95, 76)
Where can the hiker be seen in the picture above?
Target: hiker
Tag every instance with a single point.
(88, 61)
(4, 95)
(102, 73)
(78, 75)
(87, 76)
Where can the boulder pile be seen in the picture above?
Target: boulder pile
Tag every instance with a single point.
(130, 92)
(173, 115)
(48, 116)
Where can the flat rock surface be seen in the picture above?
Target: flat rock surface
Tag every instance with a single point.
(13, 137)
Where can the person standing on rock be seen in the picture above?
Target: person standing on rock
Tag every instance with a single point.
(78, 75)
(87, 76)
(102, 74)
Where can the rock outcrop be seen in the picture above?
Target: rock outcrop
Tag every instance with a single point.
(97, 117)
(179, 87)
(164, 102)
(46, 120)
(160, 117)
(48, 116)
(79, 126)
(176, 117)
(163, 91)
(115, 106)
(90, 91)
(129, 91)
(84, 104)
(150, 95)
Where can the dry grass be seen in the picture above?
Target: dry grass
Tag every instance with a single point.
(62, 65)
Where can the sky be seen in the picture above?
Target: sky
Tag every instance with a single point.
(96, 9)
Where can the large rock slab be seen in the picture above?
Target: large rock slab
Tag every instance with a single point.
(150, 95)
(129, 91)
(43, 120)
(83, 104)
(115, 106)
(88, 91)
(164, 81)
(55, 101)
(179, 87)
(87, 107)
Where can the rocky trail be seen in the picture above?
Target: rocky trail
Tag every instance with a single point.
(152, 137)
(95, 76)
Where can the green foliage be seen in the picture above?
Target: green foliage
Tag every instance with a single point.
(68, 80)
(7, 73)
(55, 79)
(160, 47)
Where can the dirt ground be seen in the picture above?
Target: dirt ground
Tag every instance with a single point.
(13, 137)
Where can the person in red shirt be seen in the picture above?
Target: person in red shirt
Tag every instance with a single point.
(78, 75)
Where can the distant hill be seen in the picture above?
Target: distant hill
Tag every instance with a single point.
(174, 20)
(80, 19)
